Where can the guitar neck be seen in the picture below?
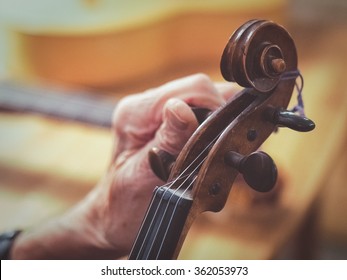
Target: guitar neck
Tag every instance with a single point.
(162, 227)
(72, 106)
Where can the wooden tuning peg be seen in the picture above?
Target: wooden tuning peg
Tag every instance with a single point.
(289, 119)
(258, 169)
(161, 162)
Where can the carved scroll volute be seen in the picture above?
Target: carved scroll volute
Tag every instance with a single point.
(261, 55)
(258, 54)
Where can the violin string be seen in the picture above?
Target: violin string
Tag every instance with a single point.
(299, 108)
(169, 200)
(146, 215)
(170, 184)
(178, 188)
(158, 207)
(172, 215)
(176, 203)
(180, 176)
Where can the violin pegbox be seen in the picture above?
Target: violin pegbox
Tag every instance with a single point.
(260, 56)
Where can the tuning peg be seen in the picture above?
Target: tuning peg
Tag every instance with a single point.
(291, 120)
(161, 162)
(258, 169)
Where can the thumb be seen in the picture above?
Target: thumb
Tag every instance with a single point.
(178, 125)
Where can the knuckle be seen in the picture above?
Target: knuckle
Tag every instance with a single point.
(201, 78)
(202, 82)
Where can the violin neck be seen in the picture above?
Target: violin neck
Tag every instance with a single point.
(160, 233)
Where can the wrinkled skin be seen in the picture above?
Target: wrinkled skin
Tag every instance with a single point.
(105, 223)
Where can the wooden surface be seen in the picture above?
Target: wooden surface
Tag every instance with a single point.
(47, 165)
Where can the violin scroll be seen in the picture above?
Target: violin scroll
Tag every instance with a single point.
(258, 54)
(261, 57)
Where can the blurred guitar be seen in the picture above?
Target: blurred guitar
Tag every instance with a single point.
(81, 107)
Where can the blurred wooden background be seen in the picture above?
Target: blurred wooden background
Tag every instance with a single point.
(46, 165)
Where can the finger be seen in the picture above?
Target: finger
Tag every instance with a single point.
(197, 90)
(137, 117)
(178, 125)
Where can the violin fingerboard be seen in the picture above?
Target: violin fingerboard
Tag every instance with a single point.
(162, 226)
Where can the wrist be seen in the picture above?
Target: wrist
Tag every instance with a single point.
(86, 223)
(75, 235)
(104, 219)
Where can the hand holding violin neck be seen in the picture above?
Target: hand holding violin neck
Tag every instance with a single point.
(260, 56)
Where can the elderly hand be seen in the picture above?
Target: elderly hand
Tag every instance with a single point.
(105, 223)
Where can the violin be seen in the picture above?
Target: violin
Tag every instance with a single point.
(261, 57)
